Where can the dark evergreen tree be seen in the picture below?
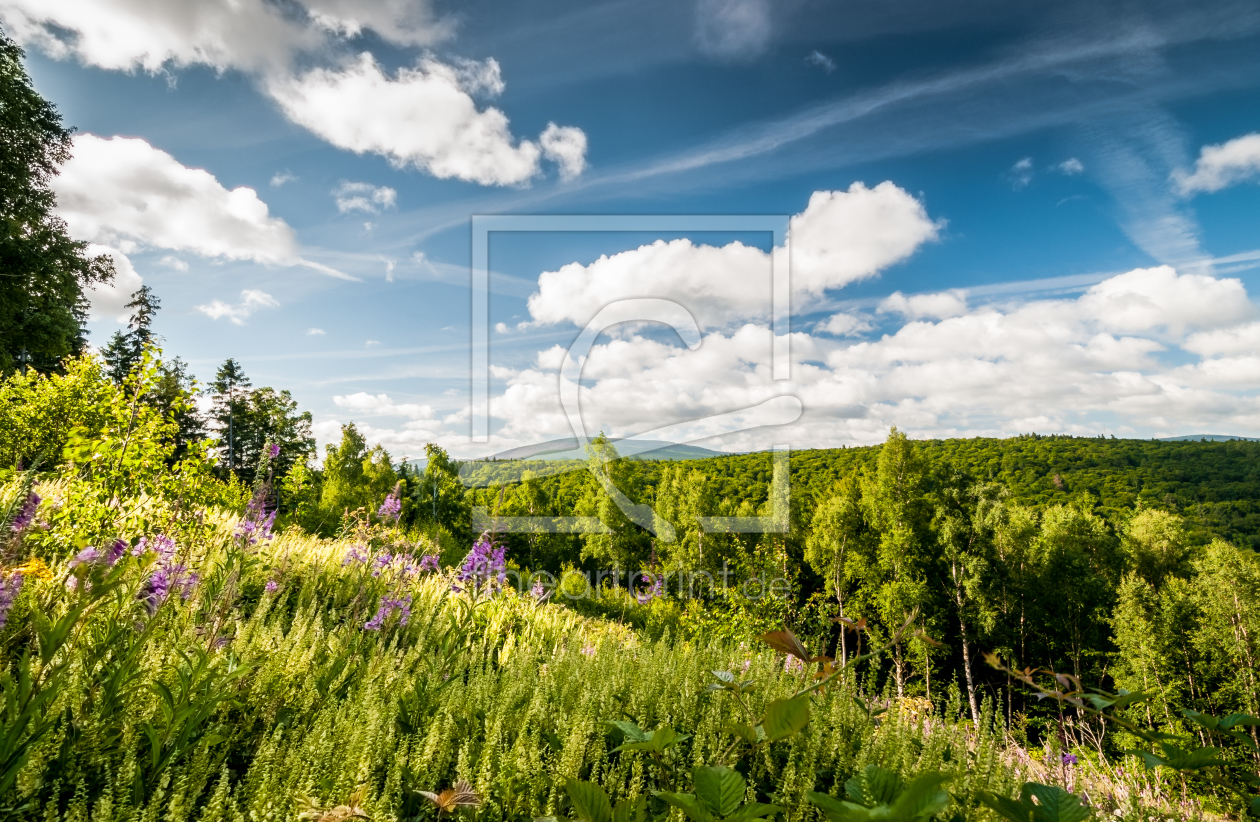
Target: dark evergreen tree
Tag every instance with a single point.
(230, 389)
(125, 350)
(42, 308)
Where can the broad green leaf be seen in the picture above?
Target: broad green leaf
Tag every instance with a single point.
(785, 717)
(921, 798)
(837, 810)
(1053, 804)
(631, 730)
(753, 810)
(688, 804)
(590, 801)
(880, 786)
(630, 810)
(742, 730)
(720, 789)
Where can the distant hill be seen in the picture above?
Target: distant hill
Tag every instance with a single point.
(1209, 438)
(567, 449)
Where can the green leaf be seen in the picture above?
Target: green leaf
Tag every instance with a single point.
(631, 730)
(785, 717)
(720, 789)
(659, 741)
(787, 643)
(590, 801)
(880, 786)
(630, 810)
(688, 804)
(754, 810)
(1039, 803)
(837, 810)
(742, 730)
(921, 798)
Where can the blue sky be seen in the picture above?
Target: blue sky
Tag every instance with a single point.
(985, 198)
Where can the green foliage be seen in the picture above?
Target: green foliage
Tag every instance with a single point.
(879, 794)
(42, 307)
(1039, 803)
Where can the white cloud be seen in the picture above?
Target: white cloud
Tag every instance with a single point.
(281, 177)
(566, 147)
(840, 237)
(1071, 167)
(365, 404)
(123, 191)
(370, 343)
(108, 301)
(940, 306)
(253, 35)
(423, 117)
(1221, 165)
(173, 262)
(1021, 174)
(733, 29)
(364, 197)
(817, 58)
(844, 325)
(1105, 361)
(251, 300)
(315, 332)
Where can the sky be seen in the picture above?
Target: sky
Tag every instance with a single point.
(1001, 218)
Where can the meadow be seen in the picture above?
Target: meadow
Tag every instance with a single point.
(177, 646)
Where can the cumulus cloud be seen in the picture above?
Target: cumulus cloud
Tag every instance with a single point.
(1221, 165)
(939, 306)
(1124, 352)
(401, 22)
(566, 147)
(124, 192)
(733, 29)
(251, 300)
(365, 404)
(109, 300)
(281, 177)
(844, 325)
(1071, 167)
(364, 197)
(315, 332)
(424, 117)
(173, 262)
(840, 237)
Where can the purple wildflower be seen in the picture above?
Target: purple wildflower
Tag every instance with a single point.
(10, 587)
(273, 450)
(589, 650)
(159, 544)
(792, 665)
(272, 586)
(538, 591)
(389, 606)
(117, 550)
(484, 564)
(357, 553)
(1069, 759)
(656, 590)
(382, 562)
(391, 508)
(430, 562)
(257, 522)
(26, 513)
(88, 556)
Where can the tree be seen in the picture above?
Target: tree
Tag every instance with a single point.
(125, 350)
(623, 545)
(42, 307)
(438, 495)
(268, 417)
(834, 536)
(355, 476)
(230, 387)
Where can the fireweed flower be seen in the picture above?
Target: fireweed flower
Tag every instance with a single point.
(389, 606)
(656, 590)
(10, 587)
(26, 514)
(357, 553)
(272, 586)
(273, 450)
(391, 508)
(257, 522)
(159, 544)
(538, 591)
(589, 650)
(381, 562)
(431, 563)
(1069, 759)
(485, 563)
